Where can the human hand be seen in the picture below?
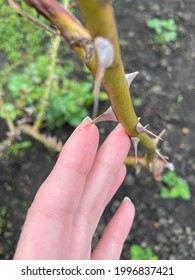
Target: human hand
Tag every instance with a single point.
(62, 220)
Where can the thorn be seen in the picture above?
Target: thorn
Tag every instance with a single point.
(105, 55)
(164, 158)
(160, 135)
(135, 141)
(142, 129)
(105, 51)
(10, 133)
(162, 132)
(108, 115)
(137, 170)
(130, 77)
(146, 126)
(150, 166)
(95, 103)
(170, 166)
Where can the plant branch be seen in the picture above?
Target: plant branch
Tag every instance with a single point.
(50, 142)
(8, 120)
(44, 99)
(6, 143)
(17, 7)
(100, 20)
(78, 38)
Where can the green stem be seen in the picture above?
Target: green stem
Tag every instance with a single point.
(44, 99)
(141, 161)
(8, 120)
(50, 142)
(100, 20)
(78, 38)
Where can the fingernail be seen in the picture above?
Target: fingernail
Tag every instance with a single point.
(87, 120)
(126, 198)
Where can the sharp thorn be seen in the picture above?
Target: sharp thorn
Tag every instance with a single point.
(160, 135)
(170, 166)
(105, 55)
(98, 80)
(135, 141)
(152, 134)
(95, 107)
(164, 158)
(108, 115)
(146, 126)
(130, 77)
(137, 169)
(142, 129)
(105, 51)
(162, 132)
(150, 166)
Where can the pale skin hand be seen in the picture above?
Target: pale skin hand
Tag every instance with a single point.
(65, 213)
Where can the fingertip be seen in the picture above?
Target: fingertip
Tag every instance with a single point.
(119, 129)
(130, 207)
(79, 151)
(116, 232)
(85, 132)
(126, 198)
(87, 120)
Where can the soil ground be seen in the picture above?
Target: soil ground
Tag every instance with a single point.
(166, 87)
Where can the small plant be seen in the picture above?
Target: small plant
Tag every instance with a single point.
(165, 30)
(36, 90)
(15, 148)
(175, 186)
(64, 102)
(139, 253)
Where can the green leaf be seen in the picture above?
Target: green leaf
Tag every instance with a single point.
(170, 178)
(176, 187)
(169, 24)
(155, 24)
(16, 147)
(25, 144)
(165, 193)
(183, 189)
(138, 253)
(10, 109)
(16, 83)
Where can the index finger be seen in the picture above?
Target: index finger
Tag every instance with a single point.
(64, 186)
